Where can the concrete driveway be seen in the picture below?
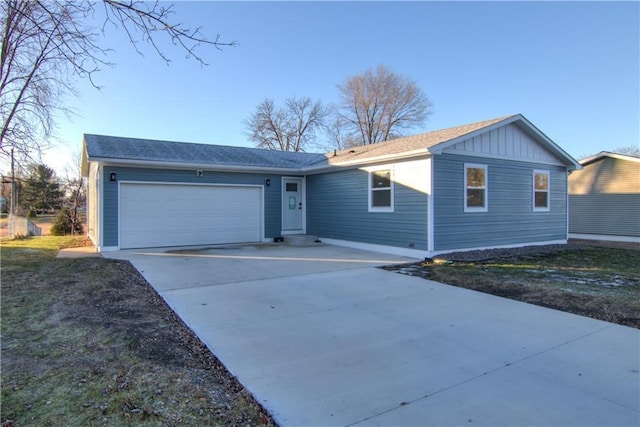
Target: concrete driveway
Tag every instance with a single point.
(322, 338)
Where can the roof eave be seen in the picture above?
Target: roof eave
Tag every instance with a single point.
(377, 159)
(237, 168)
(570, 162)
(84, 159)
(604, 154)
(203, 166)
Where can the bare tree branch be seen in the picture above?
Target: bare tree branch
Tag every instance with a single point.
(47, 45)
(289, 128)
(378, 104)
(140, 17)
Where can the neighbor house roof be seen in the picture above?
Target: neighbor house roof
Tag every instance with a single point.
(118, 150)
(604, 154)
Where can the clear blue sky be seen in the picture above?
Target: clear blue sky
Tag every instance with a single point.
(572, 68)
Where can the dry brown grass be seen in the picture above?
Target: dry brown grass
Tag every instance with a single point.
(88, 342)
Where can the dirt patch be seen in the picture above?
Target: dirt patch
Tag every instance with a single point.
(89, 342)
(598, 282)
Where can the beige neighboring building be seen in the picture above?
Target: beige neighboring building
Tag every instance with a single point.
(604, 198)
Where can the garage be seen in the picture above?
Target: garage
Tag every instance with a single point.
(159, 215)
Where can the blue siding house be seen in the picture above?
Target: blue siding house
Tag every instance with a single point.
(495, 183)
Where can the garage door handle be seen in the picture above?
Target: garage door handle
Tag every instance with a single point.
(300, 205)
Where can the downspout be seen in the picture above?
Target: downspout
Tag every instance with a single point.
(430, 213)
(566, 183)
(99, 204)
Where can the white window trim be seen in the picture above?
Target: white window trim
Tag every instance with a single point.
(370, 189)
(484, 208)
(548, 190)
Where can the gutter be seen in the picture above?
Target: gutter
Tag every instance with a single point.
(369, 160)
(108, 161)
(206, 166)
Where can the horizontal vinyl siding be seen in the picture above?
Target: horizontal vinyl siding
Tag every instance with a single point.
(607, 214)
(272, 214)
(604, 198)
(510, 219)
(337, 208)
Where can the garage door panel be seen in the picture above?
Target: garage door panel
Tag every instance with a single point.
(155, 215)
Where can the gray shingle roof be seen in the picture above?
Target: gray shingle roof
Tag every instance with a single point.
(145, 150)
(105, 148)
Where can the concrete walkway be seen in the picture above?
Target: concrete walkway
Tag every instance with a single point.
(321, 338)
(81, 252)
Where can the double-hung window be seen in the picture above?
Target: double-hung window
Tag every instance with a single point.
(475, 183)
(541, 190)
(380, 190)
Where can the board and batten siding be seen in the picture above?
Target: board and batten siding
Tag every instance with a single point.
(604, 198)
(272, 194)
(338, 207)
(505, 142)
(510, 219)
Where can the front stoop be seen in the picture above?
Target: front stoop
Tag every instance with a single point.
(300, 240)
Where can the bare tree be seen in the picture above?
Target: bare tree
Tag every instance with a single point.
(336, 131)
(629, 150)
(379, 104)
(75, 193)
(48, 44)
(289, 128)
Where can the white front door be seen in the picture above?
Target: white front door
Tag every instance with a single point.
(292, 206)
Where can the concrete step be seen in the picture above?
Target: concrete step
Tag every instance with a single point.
(300, 240)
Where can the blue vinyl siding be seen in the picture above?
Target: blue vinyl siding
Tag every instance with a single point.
(510, 219)
(272, 211)
(337, 208)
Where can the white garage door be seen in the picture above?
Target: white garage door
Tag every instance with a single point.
(156, 215)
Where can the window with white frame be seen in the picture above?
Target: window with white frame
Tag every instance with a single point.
(380, 190)
(541, 190)
(475, 182)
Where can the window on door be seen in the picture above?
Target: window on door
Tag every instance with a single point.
(291, 186)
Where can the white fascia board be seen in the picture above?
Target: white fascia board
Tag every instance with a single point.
(570, 162)
(84, 160)
(208, 167)
(423, 152)
(573, 164)
(249, 169)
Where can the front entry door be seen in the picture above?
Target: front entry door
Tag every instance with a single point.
(292, 208)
